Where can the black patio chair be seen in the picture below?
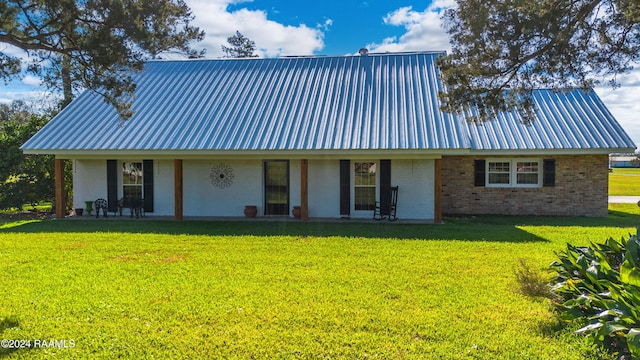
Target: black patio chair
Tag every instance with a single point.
(100, 204)
(388, 207)
(134, 204)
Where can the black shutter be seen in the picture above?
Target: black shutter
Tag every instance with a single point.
(479, 173)
(549, 172)
(112, 185)
(385, 186)
(345, 188)
(147, 176)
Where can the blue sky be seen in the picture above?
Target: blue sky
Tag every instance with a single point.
(338, 27)
(347, 25)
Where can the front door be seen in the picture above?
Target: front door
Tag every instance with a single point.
(276, 187)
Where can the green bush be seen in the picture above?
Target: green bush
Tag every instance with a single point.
(24, 178)
(600, 285)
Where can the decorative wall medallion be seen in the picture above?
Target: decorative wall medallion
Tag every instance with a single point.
(221, 176)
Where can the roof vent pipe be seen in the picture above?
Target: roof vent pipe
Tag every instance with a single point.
(363, 51)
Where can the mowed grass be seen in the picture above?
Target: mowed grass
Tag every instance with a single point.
(624, 181)
(286, 290)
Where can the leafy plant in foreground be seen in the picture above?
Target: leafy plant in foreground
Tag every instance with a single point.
(600, 284)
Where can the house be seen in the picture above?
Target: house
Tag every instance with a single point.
(623, 161)
(329, 134)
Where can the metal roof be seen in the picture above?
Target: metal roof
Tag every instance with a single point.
(570, 119)
(362, 102)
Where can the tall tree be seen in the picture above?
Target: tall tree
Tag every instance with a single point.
(17, 110)
(93, 44)
(503, 49)
(241, 47)
(23, 178)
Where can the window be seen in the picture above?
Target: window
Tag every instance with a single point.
(514, 173)
(527, 173)
(132, 179)
(499, 173)
(365, 185)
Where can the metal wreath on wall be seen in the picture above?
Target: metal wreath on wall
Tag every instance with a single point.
(221, 176)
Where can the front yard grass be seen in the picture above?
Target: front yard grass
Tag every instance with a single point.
(624, 181)
(168, 289)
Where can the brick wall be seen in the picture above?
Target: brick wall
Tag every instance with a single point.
(581, 189)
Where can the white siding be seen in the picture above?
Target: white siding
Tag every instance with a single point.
(294, 184)
(415, 181)
(324, 188)
(89, 181)
(201, 198)
(162, 188)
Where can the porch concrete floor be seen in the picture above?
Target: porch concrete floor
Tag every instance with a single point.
(256, 219)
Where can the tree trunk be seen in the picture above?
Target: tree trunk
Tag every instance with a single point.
(66, 81)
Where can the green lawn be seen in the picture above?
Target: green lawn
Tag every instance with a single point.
(623, 181)
(168, 289)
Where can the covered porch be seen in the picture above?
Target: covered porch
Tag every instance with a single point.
(221, 187)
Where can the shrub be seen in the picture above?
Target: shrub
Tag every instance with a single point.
(532, 282)
(600, 285)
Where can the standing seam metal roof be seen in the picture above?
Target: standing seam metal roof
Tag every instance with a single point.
(371, 102)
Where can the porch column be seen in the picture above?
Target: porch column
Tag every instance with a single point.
(304, 189)
(437, 191)
(177, 184)
(60, 201)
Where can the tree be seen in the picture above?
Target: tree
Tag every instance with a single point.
(241, 47)
(24, 178)
(503, 49)
(17, 110)
(93, 44)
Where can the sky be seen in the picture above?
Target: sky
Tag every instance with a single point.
(339, 27)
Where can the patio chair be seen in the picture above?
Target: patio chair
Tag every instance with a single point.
(100, 204)
(135, 205)
(384, 209)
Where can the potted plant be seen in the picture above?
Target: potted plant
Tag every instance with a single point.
(89, 207)
(250, 211)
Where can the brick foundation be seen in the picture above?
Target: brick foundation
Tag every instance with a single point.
(581, 189)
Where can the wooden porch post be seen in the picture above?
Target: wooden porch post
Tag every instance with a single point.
(437, 191)
(61, 204)
(177, 184)
(304, 189)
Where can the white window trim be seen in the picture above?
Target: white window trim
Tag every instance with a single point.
(513, 173)
(121, 184)
(353, 187)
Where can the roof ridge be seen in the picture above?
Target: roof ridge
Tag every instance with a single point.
(312, 56)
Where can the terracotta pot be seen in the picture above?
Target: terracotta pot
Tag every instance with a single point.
(296, 212)
(250, 211)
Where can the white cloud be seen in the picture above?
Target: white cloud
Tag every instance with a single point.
(271, 38)
(326, 25)
(624, 103)
(424, 32)
(423, 29)
(213, 16)
(437, 5)
(39, 99)
(32, 80)
(14, 51)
